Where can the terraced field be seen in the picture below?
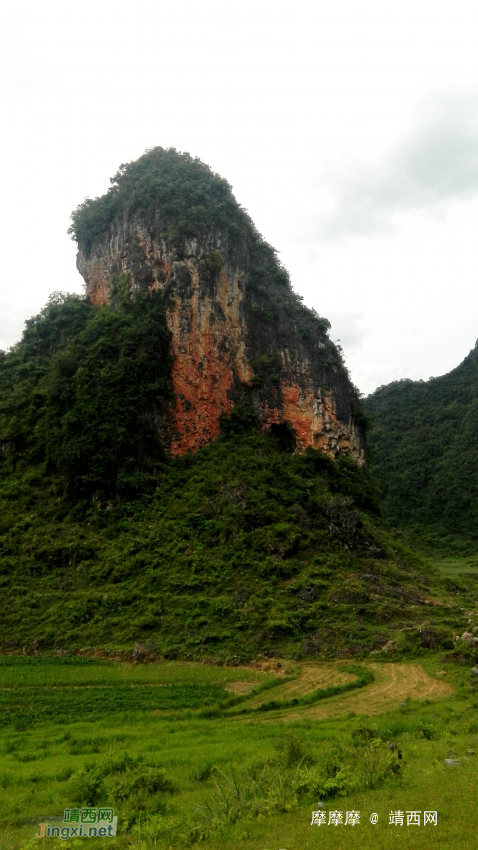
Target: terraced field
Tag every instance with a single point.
(393, 685)
(309, 678)
(79, 732)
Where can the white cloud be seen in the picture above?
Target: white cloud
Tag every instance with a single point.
(267, 94)
(11, 324)
(348, 329)
(433, 167)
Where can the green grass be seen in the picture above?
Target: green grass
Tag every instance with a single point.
(230, 781)
(33, 690)
(39, 672)
(458, 565)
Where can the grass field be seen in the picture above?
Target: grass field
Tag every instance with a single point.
(186, 754)
(456, 566)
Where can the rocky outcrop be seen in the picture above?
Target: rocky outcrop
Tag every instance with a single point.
(239, 333)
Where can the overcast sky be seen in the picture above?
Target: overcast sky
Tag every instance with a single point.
(348, 130)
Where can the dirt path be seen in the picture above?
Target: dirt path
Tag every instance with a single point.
(393, 684)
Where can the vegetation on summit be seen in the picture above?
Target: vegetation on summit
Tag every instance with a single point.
(181, 199)
(184, 198)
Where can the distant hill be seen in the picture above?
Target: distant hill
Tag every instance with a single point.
(424, 454)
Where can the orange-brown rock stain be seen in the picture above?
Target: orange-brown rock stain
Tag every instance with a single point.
(208, 346)
(208, 342)
(98, 287)
(314, 420)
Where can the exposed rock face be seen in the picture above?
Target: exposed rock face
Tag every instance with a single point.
(235, 337)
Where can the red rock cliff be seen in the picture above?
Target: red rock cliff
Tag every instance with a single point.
(239, 333)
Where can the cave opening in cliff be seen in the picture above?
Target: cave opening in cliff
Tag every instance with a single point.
(284, 434)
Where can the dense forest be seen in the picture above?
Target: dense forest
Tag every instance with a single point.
(79, 394)
(424, 450)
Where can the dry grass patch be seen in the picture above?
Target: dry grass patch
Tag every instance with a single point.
(240, 687)
(394, 683)
(310, 678)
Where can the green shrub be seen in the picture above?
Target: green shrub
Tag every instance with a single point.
(214, 263)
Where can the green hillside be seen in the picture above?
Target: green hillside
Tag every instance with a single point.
(243, 549)
(239, 550)
(424, 443)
